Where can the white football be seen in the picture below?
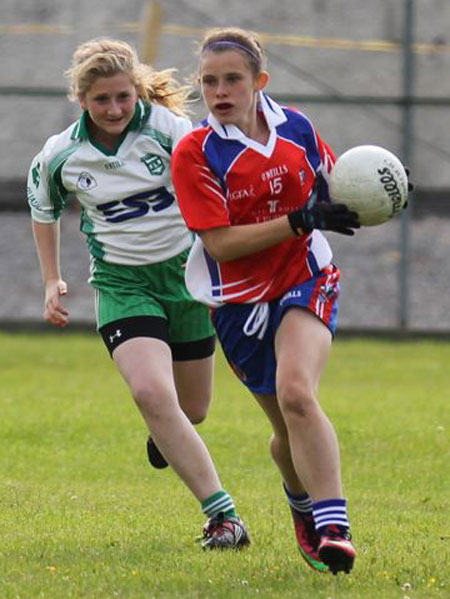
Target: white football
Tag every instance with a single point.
(371, 181)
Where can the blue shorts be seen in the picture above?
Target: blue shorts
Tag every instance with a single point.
(247, 331)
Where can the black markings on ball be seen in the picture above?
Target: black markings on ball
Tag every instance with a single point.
(391, 187)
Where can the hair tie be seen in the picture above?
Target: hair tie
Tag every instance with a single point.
(219, 43)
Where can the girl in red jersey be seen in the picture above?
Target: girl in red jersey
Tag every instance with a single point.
(252, 183)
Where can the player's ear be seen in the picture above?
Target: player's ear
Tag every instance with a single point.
(82, 101)
(262, 80)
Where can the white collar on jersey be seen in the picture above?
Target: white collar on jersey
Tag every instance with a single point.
(274, 116)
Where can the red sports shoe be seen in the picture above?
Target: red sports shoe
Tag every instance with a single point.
(336, 549)
(308, 540)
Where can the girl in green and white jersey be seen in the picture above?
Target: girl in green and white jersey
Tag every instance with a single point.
(116, 160)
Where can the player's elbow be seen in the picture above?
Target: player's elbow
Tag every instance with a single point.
(218, 254)
(217, 245)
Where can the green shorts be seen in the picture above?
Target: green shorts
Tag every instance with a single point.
(149, 301)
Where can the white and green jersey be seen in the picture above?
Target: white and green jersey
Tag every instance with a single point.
(129, 211)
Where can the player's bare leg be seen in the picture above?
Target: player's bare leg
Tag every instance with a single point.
(279, 442)
(299, 502)
(193, 382)
(146, 365)
(302, 347)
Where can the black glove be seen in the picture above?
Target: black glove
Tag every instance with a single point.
(325, 216)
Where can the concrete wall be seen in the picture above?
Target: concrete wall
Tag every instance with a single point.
(329, 51)
(314, 47)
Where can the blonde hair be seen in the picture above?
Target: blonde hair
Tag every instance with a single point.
(106, 57)
(234, 38)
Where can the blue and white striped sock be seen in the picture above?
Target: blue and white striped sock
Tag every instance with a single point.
(330, 512)
(299, 502)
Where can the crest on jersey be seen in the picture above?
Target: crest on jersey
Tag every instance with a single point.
(327, 292)
(154, 164)
(86, 181)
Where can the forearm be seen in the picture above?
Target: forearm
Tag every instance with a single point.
(46, 237)
(229, 243)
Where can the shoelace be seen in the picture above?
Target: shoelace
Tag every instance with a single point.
(335, 532)
(207, 532)
(213, 524)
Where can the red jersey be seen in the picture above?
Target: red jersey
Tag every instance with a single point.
(223, 178)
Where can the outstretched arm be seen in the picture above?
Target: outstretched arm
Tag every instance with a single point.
(46, 237)
(228, 243)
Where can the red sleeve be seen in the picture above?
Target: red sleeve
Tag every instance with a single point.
(200, 195)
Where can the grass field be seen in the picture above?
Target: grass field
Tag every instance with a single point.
(82, 515)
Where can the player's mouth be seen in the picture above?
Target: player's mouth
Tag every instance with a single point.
(223, 107)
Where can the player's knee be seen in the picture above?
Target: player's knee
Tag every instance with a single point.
(296, 398)
(151, 401)
(197, 416)
(196, 410)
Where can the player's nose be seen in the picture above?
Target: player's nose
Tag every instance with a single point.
(222, 89)
(114, 108)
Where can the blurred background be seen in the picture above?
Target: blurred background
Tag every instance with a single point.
(364, 72)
